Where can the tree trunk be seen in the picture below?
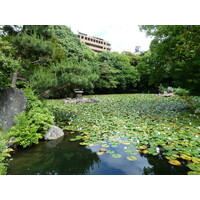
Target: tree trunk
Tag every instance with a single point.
(14, 78)
(43, 94)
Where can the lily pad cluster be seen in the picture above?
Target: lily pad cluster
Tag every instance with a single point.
(150, 124)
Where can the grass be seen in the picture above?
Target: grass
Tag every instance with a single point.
(151, 124)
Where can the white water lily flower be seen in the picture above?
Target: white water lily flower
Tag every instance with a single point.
(190, 123)
(159, 133)
(125, 148)
(157, 149)
(138, 141)
(169, 138)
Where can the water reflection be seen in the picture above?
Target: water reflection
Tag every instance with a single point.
(53, 158)
(62, 157)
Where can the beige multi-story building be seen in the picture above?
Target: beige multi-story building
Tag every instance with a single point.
(94, 43)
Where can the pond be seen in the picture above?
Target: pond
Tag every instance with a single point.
(63, 157)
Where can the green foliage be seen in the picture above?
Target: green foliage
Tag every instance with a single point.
(47, 51)
(4, 153)
(117, 72)
(69, 74)
(32, 123)
(8, 64)
(174, 55)
(161, 89)
(181, 92)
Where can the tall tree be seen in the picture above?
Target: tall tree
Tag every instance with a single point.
(175, 53)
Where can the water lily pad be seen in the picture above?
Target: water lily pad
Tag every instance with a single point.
(193, 173)
(196, 160)
(102, 150)
(131, 158)
(145, 151)
(195, 167)
(174, 162)
(116, 156)
(110, 151)
(143, 147)
(72, 132)
(73, 139)
(100, 153)
(84, 143)
(105, 145)
(185, 157)
(114, 145)
(125, 143)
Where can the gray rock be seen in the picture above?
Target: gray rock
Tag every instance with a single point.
(11, 143)
(12, 101)
(54, 133)
(197, 111)
(170, 90)
(83, 100)
(167, 95)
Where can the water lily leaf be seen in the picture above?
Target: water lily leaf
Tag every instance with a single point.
(84, 143)
(110, 151)
(105, 145)
(174, 162)
(125, 143)
(102, 150)
(131, 158)
(72, 132)
(193, 173)
(185, 157)
(116, 156)
(196, 160)
(114, 145)
(145, 151)
(143, 147)
(100, 153)
(73, 139)
(195, 167)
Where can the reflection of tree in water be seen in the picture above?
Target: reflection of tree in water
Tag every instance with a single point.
(160, 166)
(50, 158)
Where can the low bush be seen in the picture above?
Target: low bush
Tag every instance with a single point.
(32, 123)
(4, 153)
(181, 92)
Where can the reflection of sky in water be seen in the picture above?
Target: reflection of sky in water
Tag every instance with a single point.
(110, 165)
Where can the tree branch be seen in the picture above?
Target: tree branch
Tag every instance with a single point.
(43, 94)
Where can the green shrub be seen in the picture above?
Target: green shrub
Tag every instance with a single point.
(161, 89)
(32, 123)
(3, 154)
(181, 92)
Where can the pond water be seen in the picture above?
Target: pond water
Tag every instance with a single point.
(63, 157)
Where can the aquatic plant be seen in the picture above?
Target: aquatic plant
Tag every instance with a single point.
(151, 124)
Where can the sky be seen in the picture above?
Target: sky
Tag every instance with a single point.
(122, 37)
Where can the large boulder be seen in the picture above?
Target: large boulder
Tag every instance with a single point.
(54, 133)
(12, 101)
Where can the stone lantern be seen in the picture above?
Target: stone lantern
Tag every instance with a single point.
(78, 93)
